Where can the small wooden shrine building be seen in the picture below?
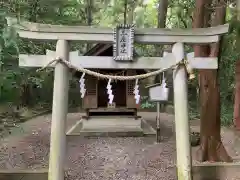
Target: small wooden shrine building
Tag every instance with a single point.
(95, 101)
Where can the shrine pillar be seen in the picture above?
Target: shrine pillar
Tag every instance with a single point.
(59, 114)
(184, 161)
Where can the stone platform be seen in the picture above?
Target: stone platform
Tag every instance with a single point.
(111, 126)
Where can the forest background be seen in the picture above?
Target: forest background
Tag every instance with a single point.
(25, 91)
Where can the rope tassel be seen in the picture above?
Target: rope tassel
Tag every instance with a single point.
(136, 92)
(109, 92)
(82, 85)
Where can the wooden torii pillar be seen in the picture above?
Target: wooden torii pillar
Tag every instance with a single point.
(63, 34)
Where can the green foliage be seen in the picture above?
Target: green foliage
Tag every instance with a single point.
(146, 104)
(25, 87)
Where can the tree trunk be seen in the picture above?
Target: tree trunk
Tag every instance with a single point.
(130, 14)
(211, 147)
(33, 10)
(162, 16)
(89, 7)
(26, 89)
(162, 13)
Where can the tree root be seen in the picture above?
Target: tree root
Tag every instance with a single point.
(213, 150)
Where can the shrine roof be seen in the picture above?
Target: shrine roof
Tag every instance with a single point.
(97, 49)
(103, 50)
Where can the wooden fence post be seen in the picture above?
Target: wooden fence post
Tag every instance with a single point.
(59, 114)
(184, 160)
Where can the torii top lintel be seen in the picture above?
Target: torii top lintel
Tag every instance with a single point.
(105, 35)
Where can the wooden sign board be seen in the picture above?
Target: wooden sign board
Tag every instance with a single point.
(123, 43)
(158, 93)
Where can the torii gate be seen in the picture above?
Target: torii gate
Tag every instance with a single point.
(63, 34)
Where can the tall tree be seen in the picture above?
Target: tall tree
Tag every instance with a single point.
(162, 17)
(161, 23)
(162, 13)
(89, 7)
(211, 148)
(132, 5)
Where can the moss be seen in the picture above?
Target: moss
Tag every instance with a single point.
(181, 175)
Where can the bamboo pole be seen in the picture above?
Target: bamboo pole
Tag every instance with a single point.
(158, 123)
(59, 114)
(184, 160)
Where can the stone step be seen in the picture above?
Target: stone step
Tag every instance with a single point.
(111, 122)
(111, 126)
(113, 132)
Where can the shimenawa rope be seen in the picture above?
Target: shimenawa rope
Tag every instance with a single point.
(120, 78)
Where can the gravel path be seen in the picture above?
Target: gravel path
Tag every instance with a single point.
(95, 158)
(92, 158)
(120, 158)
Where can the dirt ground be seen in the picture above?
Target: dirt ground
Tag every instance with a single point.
(130, 158)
